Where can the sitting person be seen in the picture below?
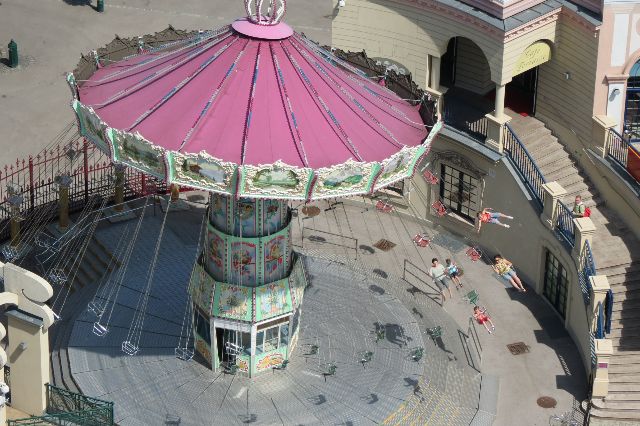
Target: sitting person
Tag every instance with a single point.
(504, 268)
(437, 272)
(454, 273)
(487, 215)
(481, 316)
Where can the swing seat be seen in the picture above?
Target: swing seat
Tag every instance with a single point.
(99, 329)
(44, 240)
(421, 240)
(472, 297)
(417, 353)
(56, 317)
(439, 208)
(184, 354)
(435, 332)
(366, 357)
(129, 348)
(430, 177)
(474, 254)
(313, 350)
(384, 207)
(9, 253)
(57, 277)
(282, 366)
(95, 308)
(330, 369)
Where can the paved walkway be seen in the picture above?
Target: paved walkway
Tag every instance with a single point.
(342, 309)
(552, 367)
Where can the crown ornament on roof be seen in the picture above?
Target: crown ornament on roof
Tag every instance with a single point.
(256, 13)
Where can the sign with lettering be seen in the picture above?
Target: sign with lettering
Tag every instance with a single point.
(536, 54)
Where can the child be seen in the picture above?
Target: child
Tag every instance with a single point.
(454, 273)
(487, 215)
(481, 316)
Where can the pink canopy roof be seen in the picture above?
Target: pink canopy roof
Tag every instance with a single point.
(252, 95)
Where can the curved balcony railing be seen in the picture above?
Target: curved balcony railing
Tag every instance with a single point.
(587, 269)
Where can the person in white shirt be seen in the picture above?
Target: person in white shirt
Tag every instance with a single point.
(437, 272)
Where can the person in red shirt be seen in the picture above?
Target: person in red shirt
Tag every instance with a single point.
(481, 316)
(487, 215)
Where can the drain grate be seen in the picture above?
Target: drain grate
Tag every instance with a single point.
(518, 348)
(546, 402)
(384, 245)
(310, 211)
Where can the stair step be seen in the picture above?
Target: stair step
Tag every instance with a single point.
(616, 414)
(614, 404)
(623, 397)
(624, 377)
(625, 357)
(624, 387)
(621, 269)
(625, 368)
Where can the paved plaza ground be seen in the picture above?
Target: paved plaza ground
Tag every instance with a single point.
(354, 286)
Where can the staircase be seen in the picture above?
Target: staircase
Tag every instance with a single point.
(97, 261)
(617, 255)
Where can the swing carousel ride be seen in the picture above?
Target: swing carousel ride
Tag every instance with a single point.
(258, 116)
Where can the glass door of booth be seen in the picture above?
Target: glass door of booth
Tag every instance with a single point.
(231, 344)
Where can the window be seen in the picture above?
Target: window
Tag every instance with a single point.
(458, 191)
(555, 283)
(202, 327)
(632, 103)
(270, 339)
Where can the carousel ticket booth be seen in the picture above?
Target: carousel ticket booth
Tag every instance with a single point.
(248, 286)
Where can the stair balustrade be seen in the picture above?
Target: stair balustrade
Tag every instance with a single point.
(587, 269)
(524, 163)
(565, 225)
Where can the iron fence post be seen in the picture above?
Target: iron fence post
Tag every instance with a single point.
(86, 169)
(31, 186)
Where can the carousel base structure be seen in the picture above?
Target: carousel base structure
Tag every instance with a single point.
(355, 360)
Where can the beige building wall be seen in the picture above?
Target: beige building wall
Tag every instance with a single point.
(29, 365)
(618, 50)
(472, 69)
(525, 243)
(569, 102)
(409, 34)
(516, 45)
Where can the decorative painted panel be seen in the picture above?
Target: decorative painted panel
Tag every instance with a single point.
(243, 263)
(277, 180)
(246, 220)
(232, 301)
(216, 254)
(202, 348)
(201, 288)
(135, 151)
(272, 300)
(243, 363)
(274, 258)
(270, 359)
(201, 171)
(91, 127)
(350, 178)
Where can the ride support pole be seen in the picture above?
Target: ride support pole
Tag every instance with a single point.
(15, 226)
(119, 193)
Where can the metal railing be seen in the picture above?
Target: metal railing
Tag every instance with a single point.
(69, 408)
(587, 269)
(564, 223)
(526, 166)
(608, 311)
(600, 322)
(476, 129)
(619, 148)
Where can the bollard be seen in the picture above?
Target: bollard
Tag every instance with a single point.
(100, 7)
(13, 53)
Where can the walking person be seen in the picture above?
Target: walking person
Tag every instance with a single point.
(454, 273)
(487, 215)
(437, 272)
(480, 314)
(504, 268)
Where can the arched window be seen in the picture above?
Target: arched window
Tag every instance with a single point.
(632, 103)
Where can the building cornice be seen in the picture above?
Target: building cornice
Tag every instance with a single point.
(533, 25)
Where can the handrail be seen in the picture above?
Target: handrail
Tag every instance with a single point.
(587, 269)
(619, 147)
(599, 332)
(608, 311)
(473, 332)
(564, 223)
(525, 164)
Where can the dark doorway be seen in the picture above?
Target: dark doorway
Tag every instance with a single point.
(448, 64)
(521, 91)
(219, 342)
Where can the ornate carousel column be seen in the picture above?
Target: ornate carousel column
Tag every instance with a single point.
(248, 287)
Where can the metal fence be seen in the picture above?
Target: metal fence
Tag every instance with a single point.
(35, 178)
(619, 148)
(476, 129)
(524, 163)
(69, 408)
